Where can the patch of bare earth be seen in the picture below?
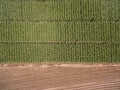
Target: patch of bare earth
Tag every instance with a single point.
(59, 77)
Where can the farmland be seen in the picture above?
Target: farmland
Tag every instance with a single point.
(59, 31)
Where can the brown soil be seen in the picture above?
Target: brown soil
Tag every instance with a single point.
(59, 77)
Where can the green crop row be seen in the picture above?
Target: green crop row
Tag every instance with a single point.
(59, 10)
(61, 31)
(59, 53)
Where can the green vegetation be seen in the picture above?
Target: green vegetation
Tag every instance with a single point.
(59, 31)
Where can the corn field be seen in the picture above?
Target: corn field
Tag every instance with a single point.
(59, 31)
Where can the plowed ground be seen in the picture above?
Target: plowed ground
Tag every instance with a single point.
(60, 77)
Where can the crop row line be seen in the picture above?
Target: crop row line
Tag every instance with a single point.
(80, 20)
(64, 42)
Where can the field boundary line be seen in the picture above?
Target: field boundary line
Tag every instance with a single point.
(57, 65)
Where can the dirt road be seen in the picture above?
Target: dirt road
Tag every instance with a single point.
(59, 77)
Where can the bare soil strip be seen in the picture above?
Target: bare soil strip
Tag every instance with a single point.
(60, 77)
